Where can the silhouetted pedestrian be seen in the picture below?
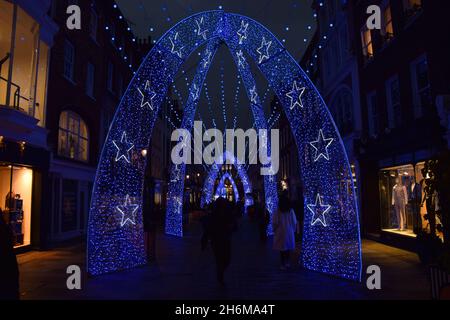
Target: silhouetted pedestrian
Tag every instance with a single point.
(219, 226)
(9, 270)
(284, 227)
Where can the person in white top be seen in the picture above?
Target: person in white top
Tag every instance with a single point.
(284, 226)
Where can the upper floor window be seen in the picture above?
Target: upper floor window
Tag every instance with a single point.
(412, 7)
(93, 24)
(367, 45)
(420, 86)
(342, 109)
(388, 28)
(73, 138)
(90, 79)
(393, 102)
(373, 115)
(69, 60)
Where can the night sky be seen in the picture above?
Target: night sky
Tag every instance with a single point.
(287, 19)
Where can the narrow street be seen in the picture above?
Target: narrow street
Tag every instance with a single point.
(183, 271)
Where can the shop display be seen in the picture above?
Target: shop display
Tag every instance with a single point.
(399, 201)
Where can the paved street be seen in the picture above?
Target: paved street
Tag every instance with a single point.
(182, 271)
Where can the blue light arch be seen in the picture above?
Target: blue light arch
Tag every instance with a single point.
(331, 235)
(221, 185)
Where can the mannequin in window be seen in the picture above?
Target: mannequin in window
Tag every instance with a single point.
(399, 200)
(415, 200)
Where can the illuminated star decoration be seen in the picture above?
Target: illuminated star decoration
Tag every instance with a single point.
(265, 45)
(207, 59)
(253, 94)
(296, 95)
(195, 93)
(241, 58)
(321, 146)
(319, 210)
(123, 148)
(201, 32)
(242, 32)
(147, 96)
(128, 211)
(174, 41)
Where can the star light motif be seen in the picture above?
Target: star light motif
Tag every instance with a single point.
(241, 58)
(318, 210)
(201, 32)
(174, 42)
(147, 96)
(253, 95)
(263, 50)
(296, 95)
(128, 211)
(207, 60)
(321, 146)
(123, 148)
(195, 92)
(242, 32)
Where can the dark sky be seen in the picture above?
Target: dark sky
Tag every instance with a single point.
(287, 19)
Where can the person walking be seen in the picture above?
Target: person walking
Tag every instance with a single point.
(219, 227)
(284, 225)
(9, 270)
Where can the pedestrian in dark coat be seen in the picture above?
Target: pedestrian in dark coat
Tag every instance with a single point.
(9, 270)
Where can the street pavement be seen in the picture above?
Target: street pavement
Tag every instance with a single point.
(183, 271)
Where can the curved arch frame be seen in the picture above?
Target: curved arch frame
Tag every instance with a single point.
(222, 183)
(331, 237)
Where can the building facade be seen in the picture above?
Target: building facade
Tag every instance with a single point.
(89, 70)
(26, 38)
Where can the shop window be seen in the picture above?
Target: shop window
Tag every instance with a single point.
(16, 196)
(393, 102)
(366, 40)
(402, 200)
(73, 139)
(69, 60)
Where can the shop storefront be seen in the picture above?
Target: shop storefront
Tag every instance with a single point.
(403, 196)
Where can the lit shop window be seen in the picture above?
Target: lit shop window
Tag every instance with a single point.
(73, 139)
(15, 195)
(404, 200)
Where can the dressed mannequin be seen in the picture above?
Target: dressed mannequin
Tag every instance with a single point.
(415, 199)
(399, 200)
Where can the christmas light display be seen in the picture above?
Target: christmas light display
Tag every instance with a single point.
(214, 172)
(221, 191)
(331, 242)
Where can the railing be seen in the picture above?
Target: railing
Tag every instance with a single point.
(17, 96)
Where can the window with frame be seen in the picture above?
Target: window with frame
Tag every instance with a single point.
(393, 102)
(90, 79)
(93, 24)
(372, 111)
(367, 45)
(73, 138)
(342, 107)
(421, 86)
(69, 60)
(388, 28)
